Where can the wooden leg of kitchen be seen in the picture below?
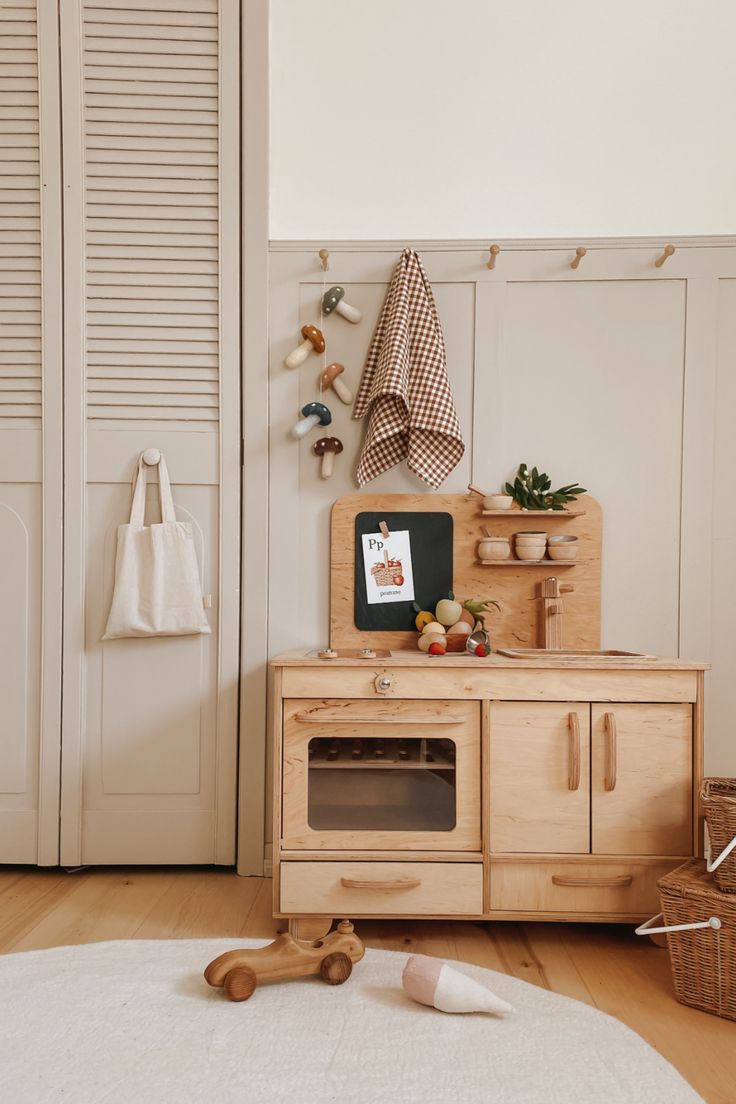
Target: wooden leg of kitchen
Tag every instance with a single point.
(309, 927)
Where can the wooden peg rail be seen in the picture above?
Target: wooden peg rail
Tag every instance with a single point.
(579, 254)
(493, 251)
(324, 256)
(667, 252)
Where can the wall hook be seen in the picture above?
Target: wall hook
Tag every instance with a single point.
(668, 251)
(579, 254)
(324, 256)
(493, 250)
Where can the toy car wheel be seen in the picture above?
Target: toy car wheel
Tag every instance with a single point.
(240, 983)
(336, 968)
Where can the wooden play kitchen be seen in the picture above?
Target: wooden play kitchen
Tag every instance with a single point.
(549, 780)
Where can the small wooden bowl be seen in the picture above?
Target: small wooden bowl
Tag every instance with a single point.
(456, 642)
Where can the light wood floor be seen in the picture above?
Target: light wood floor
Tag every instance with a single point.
(607, 967)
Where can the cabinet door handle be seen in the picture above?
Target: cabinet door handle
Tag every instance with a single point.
(613, 881)
(365, 883)
(573, 776)
(609, 721)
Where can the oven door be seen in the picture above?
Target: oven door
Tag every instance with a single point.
(381, 775)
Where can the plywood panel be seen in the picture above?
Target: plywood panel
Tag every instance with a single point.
(514, 587)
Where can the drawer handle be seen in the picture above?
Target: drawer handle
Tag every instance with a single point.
(396, 883)
(609, 721)
(573, 778)
(315, 717)
(613, 881)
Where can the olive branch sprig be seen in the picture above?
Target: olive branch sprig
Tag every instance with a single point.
(531, 489)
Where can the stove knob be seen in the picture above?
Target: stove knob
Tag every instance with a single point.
(382, 684)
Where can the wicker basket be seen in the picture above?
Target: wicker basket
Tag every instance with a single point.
(703, 953)
(719, 805)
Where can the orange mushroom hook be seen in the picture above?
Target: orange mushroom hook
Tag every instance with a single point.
(331, 378)
(313, 342)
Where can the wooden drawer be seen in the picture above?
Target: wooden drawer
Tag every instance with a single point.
(382, 888)
(578, 887)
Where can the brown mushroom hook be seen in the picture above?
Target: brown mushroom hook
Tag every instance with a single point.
(328, 448)
(331, 378)
(313, 341)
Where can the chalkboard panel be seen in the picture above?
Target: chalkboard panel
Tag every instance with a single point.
(431, 537)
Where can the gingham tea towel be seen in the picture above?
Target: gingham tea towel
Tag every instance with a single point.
(405, 390)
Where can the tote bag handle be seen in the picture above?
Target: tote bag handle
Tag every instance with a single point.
(138, 506)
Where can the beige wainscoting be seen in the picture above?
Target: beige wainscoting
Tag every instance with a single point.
(607, 374)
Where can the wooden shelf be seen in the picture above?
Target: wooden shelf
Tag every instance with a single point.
(533, 513)
(528, 563)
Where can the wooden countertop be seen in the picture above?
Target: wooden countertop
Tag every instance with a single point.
(300, 657)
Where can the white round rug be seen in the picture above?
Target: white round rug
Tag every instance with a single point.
(135, 1023)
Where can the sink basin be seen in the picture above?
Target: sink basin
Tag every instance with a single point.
(571, 653)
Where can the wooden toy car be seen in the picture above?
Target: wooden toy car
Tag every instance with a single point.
(239, 972)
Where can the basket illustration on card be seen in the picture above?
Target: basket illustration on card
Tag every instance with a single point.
(388, 572)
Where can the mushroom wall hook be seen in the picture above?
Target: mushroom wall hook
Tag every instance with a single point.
(334, 300)
(314, 413)
(313, 342)
(331, 378)
(667, 252)
(328, 448)
(579, 254)
(324, 256)
(493, 252)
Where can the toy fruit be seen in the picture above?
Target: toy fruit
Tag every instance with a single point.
(426, 640)
(448, 611)
(462, 627)
(437, 649)
(468, 618)
(477, 608)
(423, 617)
(239, 972)
(434, 627)
(482, 651)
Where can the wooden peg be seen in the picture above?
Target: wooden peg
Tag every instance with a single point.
(667, 252)
(324, 256)
(579, 254)
(493, 250)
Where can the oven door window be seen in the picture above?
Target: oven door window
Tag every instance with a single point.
(386, 785)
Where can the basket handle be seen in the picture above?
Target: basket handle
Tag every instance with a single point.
(647, 929)
(723, 855)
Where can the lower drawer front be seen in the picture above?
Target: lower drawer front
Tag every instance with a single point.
(572, 887)
(383, 889)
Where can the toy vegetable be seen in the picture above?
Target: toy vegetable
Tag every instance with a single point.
(313, 342)
(314, 413)
(430, 981)
(331, 378)
(328, 448)
(334, 300)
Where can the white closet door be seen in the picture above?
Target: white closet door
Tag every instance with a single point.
(150, 127)
(30, 434)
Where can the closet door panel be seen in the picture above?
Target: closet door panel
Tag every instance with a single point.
(30, 435)
(150, 763)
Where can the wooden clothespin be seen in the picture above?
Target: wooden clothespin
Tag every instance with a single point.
(668, 251)
(493, 251)
(324, 256)
(579, 254)
(384, 530)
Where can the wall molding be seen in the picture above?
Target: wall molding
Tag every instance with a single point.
(441, 245)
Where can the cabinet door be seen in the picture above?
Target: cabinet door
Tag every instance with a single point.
(642, 779)
(30, 434)
(540, 777)
(151, 332)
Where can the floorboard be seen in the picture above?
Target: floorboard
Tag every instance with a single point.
(605, 966)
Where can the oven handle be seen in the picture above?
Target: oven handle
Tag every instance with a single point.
(338, 718)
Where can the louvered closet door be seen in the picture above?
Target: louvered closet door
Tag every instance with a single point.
(150, 111)
(30, 433)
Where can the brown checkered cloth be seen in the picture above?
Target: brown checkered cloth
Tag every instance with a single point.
(404, 390)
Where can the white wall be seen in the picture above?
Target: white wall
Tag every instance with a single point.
(501, 118)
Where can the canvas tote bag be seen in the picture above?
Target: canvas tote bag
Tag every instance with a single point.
(157, 586)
